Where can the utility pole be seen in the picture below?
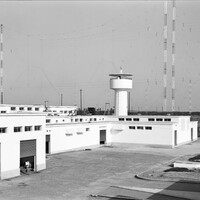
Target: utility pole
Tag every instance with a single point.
(173, 54)
(61, 99)
(81, 99)
(165, 59)
(1, 63)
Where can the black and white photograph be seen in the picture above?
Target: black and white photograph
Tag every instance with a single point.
(99, 100)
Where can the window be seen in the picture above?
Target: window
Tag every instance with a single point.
(56, 121)
(36, 109)
(95, 119)
(167, 119)
(63, 120)
(121, 119)
(128, 119)
(131, 127)
(151, 119)
(13, 108)
(3, 111)
(18, 129)
(48, 120)
(3, 130)
(148, 128)
(71, 120)
(76, 120)
(38, 128)
(87, 129)
(28, 128)
(21, 108)
(81, 120)
(140, 127)
(29, 108)
(159, 119)
(136, 119)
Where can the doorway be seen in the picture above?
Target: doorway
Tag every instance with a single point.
(28, 153)
(175, 138)
(102, 136)
(192, 134)
(47, 144)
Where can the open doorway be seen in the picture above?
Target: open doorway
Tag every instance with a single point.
(102, 136)
(27, 155)
(47, 144)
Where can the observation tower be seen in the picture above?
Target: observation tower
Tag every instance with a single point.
(121, 83)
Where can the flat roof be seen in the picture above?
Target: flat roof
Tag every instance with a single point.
(120, 74)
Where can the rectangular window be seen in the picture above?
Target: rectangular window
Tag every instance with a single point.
(13, 108)
(48, 120)
(87, 129)
(3, 111)
(167, 119)
(76, 120)
(29, 108)
(136, 119)
(38, 128)
(3, 130)
(28, 128)
(140, 127)
(148, 128)
(131, 127)
(159, 119)
(21, 108)
(36, 109)
(81, 120)
(95, 119)
(151, 119)
(121, 119)
(18, 129)
(128, 119)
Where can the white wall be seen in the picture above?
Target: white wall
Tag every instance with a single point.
(159, 135)
(69, 137)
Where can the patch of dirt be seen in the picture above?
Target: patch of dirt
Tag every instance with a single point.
(168, 172)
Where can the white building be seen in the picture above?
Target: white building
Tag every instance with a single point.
(26, 132)
(22, 137)
(49, 110)
(65, 133)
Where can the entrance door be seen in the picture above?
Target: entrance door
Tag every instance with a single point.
(102, 136)
(192, 134)
(175, 137)
(47, 144)
(27, 153)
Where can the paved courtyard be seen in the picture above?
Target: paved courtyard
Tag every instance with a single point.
(76, 175)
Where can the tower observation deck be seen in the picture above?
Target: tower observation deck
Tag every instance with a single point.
(121, 83)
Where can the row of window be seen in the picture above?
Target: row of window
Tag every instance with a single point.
(149, 119)
(23, 108)
(20, 129)
(129, 119)
(141, 127)
(160, 119)
(78, 133)
(77, 120)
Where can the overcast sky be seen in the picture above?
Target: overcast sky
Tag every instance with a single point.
(53, 48)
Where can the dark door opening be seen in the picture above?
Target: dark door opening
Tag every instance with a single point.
(47, 144)
(31, 159)
(192, 134)
(175, 138)
(102, 136)
(27, 154)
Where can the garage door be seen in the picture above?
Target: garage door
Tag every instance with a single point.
(27, 148)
